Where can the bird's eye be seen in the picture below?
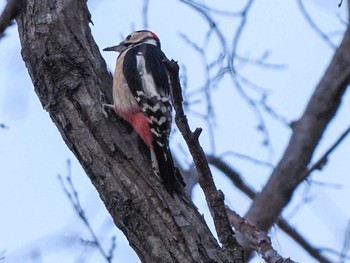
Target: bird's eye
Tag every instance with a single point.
(128, 37)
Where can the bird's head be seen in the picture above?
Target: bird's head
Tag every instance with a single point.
(136, 38)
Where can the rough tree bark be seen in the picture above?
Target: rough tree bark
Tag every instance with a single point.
(72, 82)
(70, 78)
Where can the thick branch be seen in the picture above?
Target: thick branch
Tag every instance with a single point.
(12, 9)
(70, 78)
(215, 198)
(307, 132)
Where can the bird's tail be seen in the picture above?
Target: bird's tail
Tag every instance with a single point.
(163, 164)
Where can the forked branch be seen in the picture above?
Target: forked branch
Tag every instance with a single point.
(214, 197)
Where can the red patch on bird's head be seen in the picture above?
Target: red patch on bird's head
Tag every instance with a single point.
(154, 35)
(150, 34)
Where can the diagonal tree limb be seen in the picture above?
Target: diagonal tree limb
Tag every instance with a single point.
(214, 197)
(70, 78)
(307, 133)
(12, 9)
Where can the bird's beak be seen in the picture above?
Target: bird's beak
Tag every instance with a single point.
(117, 48)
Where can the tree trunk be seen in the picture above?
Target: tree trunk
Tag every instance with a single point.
(72, 83)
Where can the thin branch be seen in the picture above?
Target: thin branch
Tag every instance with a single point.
(326, 184)
(259, 239)
(209, 115)
(340, 3)
(318, 165)
(346, 245)
(12, 9)
(230, 56)
(214, 197)
(314, 25)
(248, 158)
(207, 9)
(261, 127)
(239, 32)
(2, 254)
(269, 110)
(210, 21)
(145, 14)
(261, 61)
(73, 197)
(3, 126)
(112, 248)
(261, 122)
(306, 198)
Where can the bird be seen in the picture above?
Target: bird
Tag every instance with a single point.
(142, 97)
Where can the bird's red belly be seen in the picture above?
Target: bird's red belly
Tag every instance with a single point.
(141, 125)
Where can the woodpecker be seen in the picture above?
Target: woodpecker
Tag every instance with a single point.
(141, 96)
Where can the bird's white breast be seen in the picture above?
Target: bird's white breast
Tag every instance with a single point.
(122, 96)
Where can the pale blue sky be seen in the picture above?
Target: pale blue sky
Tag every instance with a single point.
(36, 214)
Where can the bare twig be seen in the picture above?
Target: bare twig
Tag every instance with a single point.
(145, 14)
(229, 56)
(207, 9)
(237, 180)
(268, 109)
(209, 115)
(314, 25)
(261, 127)
(233, 73)
(259, 239)
(12, 9)
(214, 197)
(261, 61)
(239, 31)
(3, 126)
(2, 254)
(326, 184)
(306, 198)
(318, 165)
(247, 158)
(72, 195)
(112, 249)
(346, 245)
(210, 21)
